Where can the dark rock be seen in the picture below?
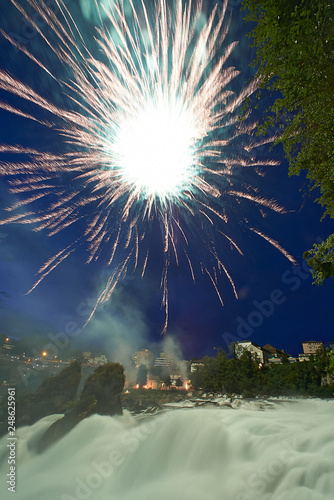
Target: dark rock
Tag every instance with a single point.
(51, 397)
(100, 395)
(106, 385)
(207, 403)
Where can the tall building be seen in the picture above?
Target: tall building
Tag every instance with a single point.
(166, 360)
(311, 346)
(143, 357)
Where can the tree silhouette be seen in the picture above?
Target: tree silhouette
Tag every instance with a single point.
(142, 375)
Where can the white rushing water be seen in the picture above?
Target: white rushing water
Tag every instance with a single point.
(282, 453)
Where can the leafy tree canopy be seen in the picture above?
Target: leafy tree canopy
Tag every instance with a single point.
(179, 382)
(321, 259)
(294, 41)
(244, 375)
(110, 375)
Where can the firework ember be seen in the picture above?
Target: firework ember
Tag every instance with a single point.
(152, 132)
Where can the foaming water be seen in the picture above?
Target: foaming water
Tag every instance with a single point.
(283, 453)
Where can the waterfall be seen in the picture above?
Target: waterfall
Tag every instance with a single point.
(282, 453)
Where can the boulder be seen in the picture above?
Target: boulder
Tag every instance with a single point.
(100, 395)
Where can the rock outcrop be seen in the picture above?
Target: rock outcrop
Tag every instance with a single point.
(51, 397)
(53, 394)
(100, 395)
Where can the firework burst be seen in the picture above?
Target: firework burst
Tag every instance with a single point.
(152, 132)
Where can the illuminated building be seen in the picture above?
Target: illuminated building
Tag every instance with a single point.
(7, 345)
(166, 360)
(143, 357)
(98, 360)
(311, 346)
(255, 350)
(195, 365)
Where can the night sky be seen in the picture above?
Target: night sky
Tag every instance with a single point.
(133, 319)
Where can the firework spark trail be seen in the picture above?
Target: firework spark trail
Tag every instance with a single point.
(151, 132)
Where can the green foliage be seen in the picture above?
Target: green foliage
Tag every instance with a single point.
(108, 377)
(167, 381)
(69, 406)
(179, 382)
(294, 43)
(243, 375)
(321, 259)
(331, 362)
(285, 357)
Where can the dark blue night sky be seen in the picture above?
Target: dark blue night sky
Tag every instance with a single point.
(277, 302)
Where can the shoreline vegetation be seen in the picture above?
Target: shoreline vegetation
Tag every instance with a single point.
(294, 51)
(245, 375)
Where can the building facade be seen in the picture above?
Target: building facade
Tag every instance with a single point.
(98, 360)
(195, 365)
(311, 346)
(143, 357)
(165, 360)
(256, 351)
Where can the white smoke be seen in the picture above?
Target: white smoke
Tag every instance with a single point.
(120, 328)
(170, 344)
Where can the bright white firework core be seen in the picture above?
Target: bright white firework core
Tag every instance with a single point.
(156, 149)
